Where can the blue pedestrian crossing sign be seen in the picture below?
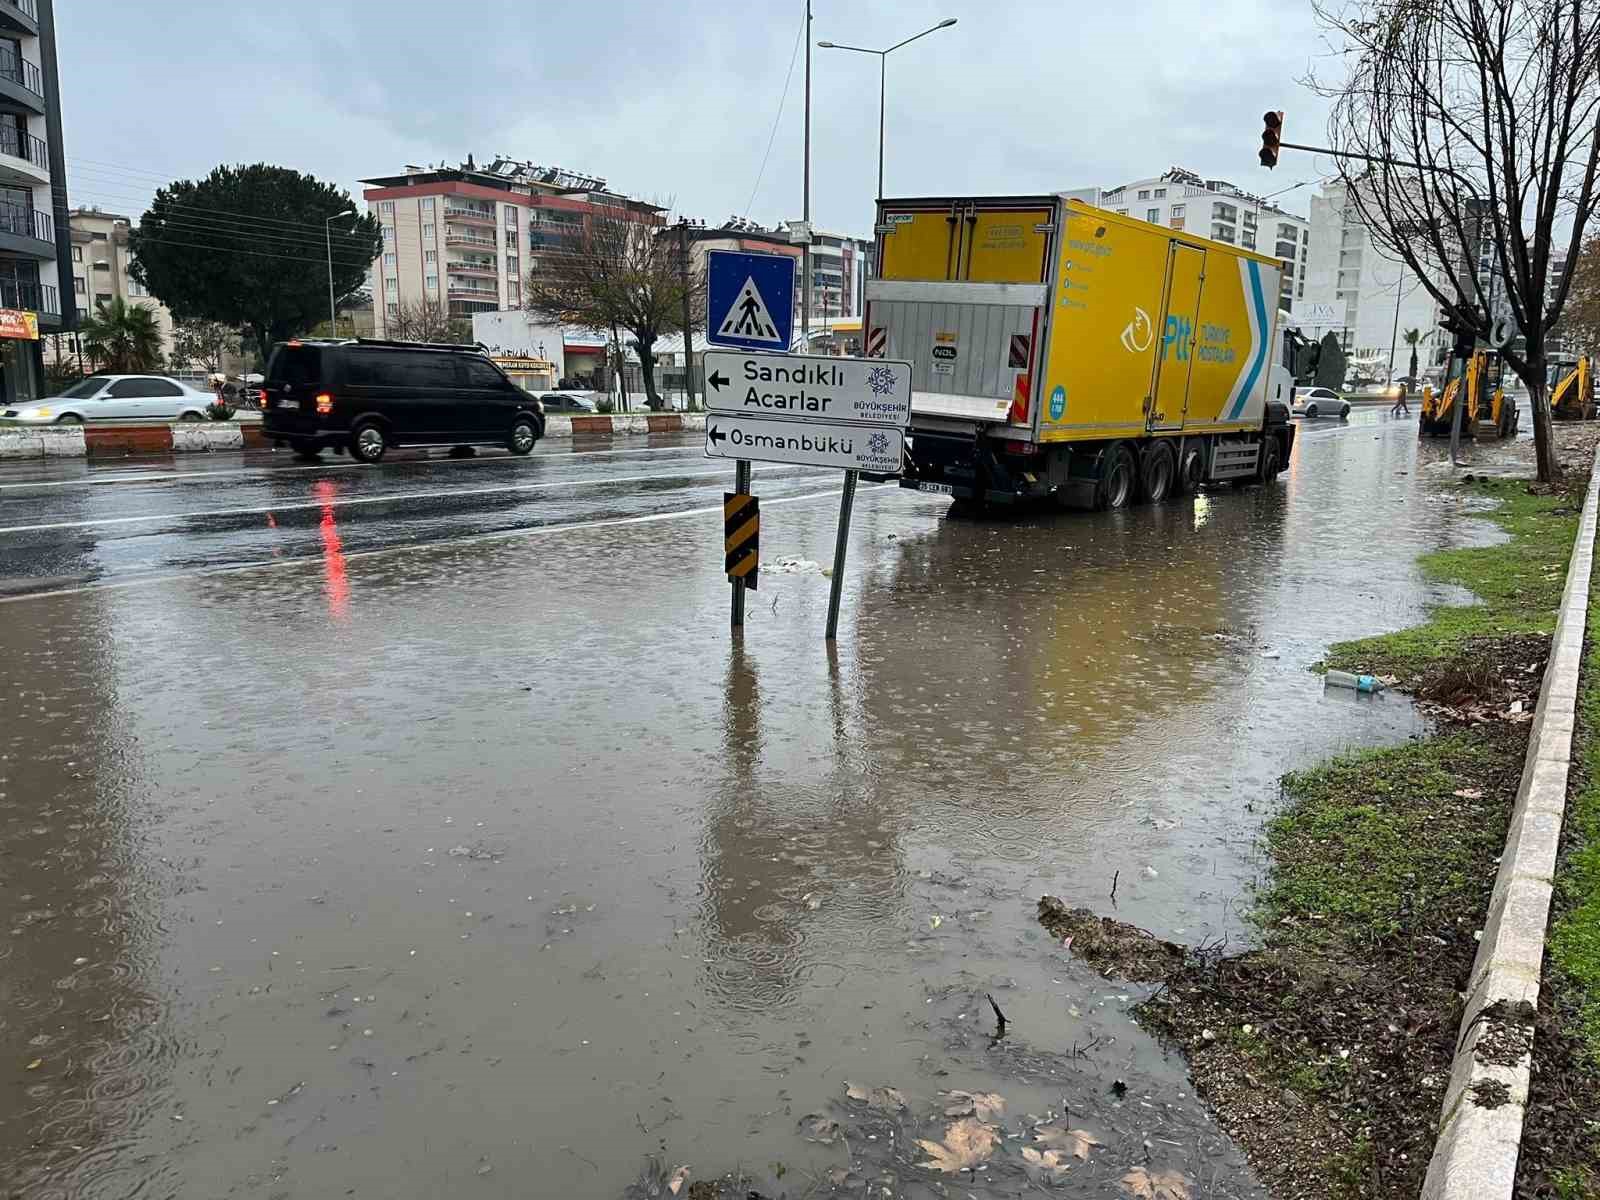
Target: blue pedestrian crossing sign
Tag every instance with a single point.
(750, 300)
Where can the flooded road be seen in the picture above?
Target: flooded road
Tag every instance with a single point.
(421, 830)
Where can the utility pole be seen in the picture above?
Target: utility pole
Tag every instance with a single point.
(688, 315)
(805, 214)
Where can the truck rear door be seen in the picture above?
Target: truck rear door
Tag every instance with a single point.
(962, 294)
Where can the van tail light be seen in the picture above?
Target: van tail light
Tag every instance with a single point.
(1022, 449)
(324, 403)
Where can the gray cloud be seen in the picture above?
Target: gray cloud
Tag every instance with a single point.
(677, 101)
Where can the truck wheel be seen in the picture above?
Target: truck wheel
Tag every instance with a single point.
(1119, 478)
(1158, 473)
(1271, 458)
(1191, 468)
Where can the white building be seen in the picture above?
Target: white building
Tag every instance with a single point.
(1362, 295)
(1217, 209)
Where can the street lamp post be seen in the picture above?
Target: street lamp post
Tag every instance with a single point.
(327, 230)
(883, 69)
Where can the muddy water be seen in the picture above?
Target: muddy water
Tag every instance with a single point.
(492, 869)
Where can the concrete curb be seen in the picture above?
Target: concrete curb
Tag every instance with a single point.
(188, 437)
(1480, 1128)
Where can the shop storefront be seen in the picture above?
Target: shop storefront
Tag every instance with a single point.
(21, 363)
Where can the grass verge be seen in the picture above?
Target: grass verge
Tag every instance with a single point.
(1326, 1052)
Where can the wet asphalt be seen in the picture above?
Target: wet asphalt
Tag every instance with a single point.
(421, 830)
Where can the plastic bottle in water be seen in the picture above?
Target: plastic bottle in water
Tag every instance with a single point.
(1359, 683)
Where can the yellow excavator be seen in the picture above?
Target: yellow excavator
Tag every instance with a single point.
(1480, 390)
(1571, 389)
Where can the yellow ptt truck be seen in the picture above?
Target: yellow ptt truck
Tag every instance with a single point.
(1060, 350)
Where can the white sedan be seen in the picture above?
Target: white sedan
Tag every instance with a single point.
(1321, 402)
(113, 398)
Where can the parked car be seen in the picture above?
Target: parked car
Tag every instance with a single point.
(567, 402)
(115, 397)
(1321, 402)
(366, 395)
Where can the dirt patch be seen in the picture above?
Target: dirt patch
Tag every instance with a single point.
(1491, 679)
(1113, 948)
(1325, 1054)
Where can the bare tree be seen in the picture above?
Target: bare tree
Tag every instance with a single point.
(428, 321)
(1473, 124)
(207, 343)
(620, 273)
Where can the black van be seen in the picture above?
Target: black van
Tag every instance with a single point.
(366, 395)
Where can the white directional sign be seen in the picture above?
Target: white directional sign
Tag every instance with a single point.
(810, 387)
(805, 443)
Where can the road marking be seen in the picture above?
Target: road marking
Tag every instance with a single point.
(309, 560)
(388, 498)
(266, 471)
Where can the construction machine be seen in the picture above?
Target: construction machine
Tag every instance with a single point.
(1571, 384)
(1487, 411)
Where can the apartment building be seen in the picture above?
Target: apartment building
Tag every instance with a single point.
(100, 262)
(1217, 209)
(33, 210)
(840, 266)
(468, 236)
(1363, 295)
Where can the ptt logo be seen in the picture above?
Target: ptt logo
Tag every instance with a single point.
(1179, 332)
(1136, 337)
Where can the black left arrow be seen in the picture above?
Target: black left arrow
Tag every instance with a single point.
(717, 435)
(717, 380)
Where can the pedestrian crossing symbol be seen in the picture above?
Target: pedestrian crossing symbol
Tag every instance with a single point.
(750, 300)
(749, 319)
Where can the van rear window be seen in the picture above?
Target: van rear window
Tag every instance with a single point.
(295, 364)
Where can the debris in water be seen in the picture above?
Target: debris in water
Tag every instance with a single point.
(813, 901)
(1076, 1142)
(983, 1105)
(679, 1177)
(819, 1127)
(885, 1099)
(34, 1065)
(1048, 1161)
(935, 921)
(1163, 1185)
(967, 1145)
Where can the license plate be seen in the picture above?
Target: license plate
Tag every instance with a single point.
(942, 489)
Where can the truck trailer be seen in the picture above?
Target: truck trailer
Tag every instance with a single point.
(1060, 350)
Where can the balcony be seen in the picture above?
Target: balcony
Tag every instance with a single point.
(20, 16)
(461, 237)
(489, 268)
(469, 289)
(465, 308)
(36, 297)
(27, 149)
(27, 231)
(482, 216)
(21, 83)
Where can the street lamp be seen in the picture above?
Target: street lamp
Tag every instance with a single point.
(327, 230)
(883, 67)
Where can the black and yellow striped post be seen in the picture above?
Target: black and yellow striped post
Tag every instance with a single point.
(741, 524)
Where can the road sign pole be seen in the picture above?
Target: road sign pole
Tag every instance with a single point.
(847, 502)
(741, 484)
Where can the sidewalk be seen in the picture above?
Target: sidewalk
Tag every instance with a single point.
(189, 437)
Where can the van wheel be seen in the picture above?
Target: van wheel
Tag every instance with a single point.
(1158, 473)
(367, 442)
(1119, 477)
(1191, 468)
(523, 437)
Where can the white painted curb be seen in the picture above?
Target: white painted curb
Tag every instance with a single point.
(626, 423)
(1475, 1157)
(64, 441)
(193, 435)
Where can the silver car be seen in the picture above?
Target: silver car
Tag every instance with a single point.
(1321, 402)
(115, 398)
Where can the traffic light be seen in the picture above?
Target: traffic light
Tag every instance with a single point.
(1270, 138)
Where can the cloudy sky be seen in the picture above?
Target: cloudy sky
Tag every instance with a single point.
(676, 102)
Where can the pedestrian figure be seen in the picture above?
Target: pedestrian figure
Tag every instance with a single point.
(1401, 408)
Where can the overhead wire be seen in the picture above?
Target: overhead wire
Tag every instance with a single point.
(778, 116)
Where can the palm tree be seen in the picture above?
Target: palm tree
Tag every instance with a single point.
(1413, 338)
(122, 338)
